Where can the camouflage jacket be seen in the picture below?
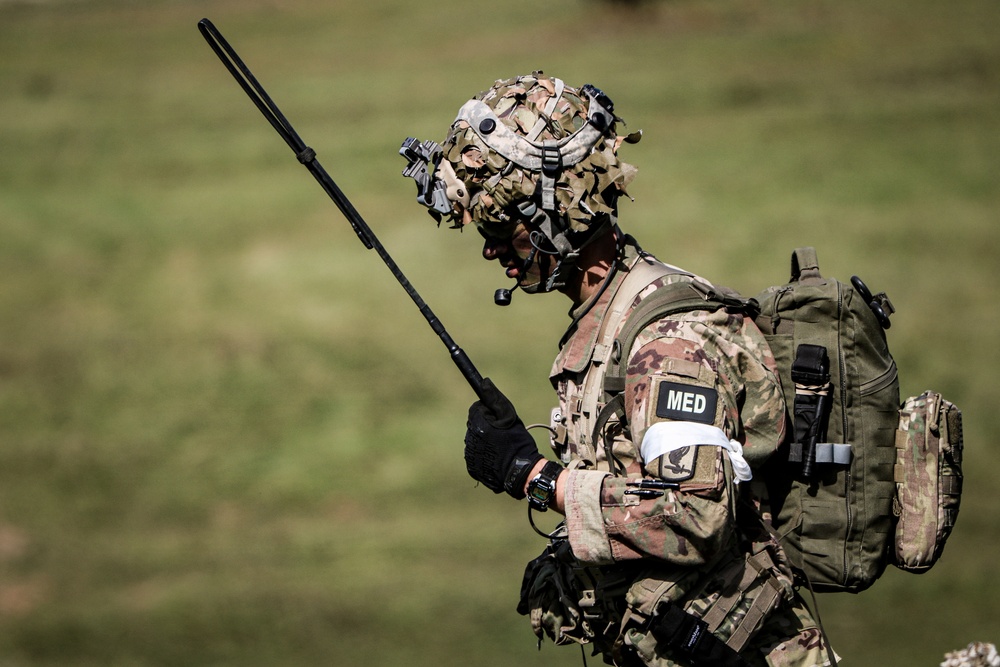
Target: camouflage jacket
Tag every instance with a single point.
(704, 358)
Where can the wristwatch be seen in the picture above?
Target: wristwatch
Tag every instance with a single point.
(542, 489)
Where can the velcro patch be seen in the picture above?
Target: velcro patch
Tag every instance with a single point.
(678, 465)
(692, 467)
(685, 402)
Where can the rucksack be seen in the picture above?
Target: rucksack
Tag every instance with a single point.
(861, 481)
(887, 490)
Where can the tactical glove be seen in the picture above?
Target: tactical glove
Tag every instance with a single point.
(499, 451)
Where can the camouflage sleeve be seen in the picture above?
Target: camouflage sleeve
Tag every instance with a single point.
(707, 368)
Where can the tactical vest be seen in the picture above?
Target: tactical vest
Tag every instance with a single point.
(727, 601)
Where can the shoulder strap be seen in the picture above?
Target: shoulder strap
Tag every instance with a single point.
(643, 272)
(672, 299)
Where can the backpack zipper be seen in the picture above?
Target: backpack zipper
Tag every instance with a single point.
(881, 382)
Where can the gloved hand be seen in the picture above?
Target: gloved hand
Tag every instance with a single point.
(499, 451)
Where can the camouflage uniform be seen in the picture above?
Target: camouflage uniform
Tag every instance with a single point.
(630, 554)
(636, 567)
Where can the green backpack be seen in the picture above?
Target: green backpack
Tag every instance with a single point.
(866, 482)
(861, 481)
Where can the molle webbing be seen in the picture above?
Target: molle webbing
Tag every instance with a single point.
(687, 637)
(758, 570)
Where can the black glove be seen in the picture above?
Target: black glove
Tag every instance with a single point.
(499, 451)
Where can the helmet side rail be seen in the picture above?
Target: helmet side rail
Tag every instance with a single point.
(307, 157)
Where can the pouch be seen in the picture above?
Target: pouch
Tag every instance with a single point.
(551, 595)
(928, 475)
(730, 603)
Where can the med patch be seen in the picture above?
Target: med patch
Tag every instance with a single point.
(685, 402)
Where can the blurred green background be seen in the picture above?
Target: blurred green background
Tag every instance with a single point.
(227, 437)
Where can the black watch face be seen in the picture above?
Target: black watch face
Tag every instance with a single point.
(543, 487)
(540, 493)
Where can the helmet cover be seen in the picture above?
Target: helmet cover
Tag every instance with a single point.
(493, 174)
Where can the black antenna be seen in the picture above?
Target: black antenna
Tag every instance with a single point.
(307, 156)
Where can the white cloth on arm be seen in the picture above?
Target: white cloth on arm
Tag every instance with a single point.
(664, 437)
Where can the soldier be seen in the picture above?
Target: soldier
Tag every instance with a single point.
(664, 557)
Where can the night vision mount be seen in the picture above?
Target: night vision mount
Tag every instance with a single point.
(423, 159)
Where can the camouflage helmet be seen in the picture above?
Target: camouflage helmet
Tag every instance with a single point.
(528, 149)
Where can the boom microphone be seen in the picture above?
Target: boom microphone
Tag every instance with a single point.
(502, 296)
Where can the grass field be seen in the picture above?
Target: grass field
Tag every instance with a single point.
(227, 437)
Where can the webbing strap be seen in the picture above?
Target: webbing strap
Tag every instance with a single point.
(550, 108)
(615, 406)
(552, 166)
(826, 452)
(762, 605)
(764, 602)
(643, 271)
(757, 567)
(950, 485)
(640, 275)
(805, 266)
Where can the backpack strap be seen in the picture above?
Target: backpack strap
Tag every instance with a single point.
(672, 299)
(644, 271)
